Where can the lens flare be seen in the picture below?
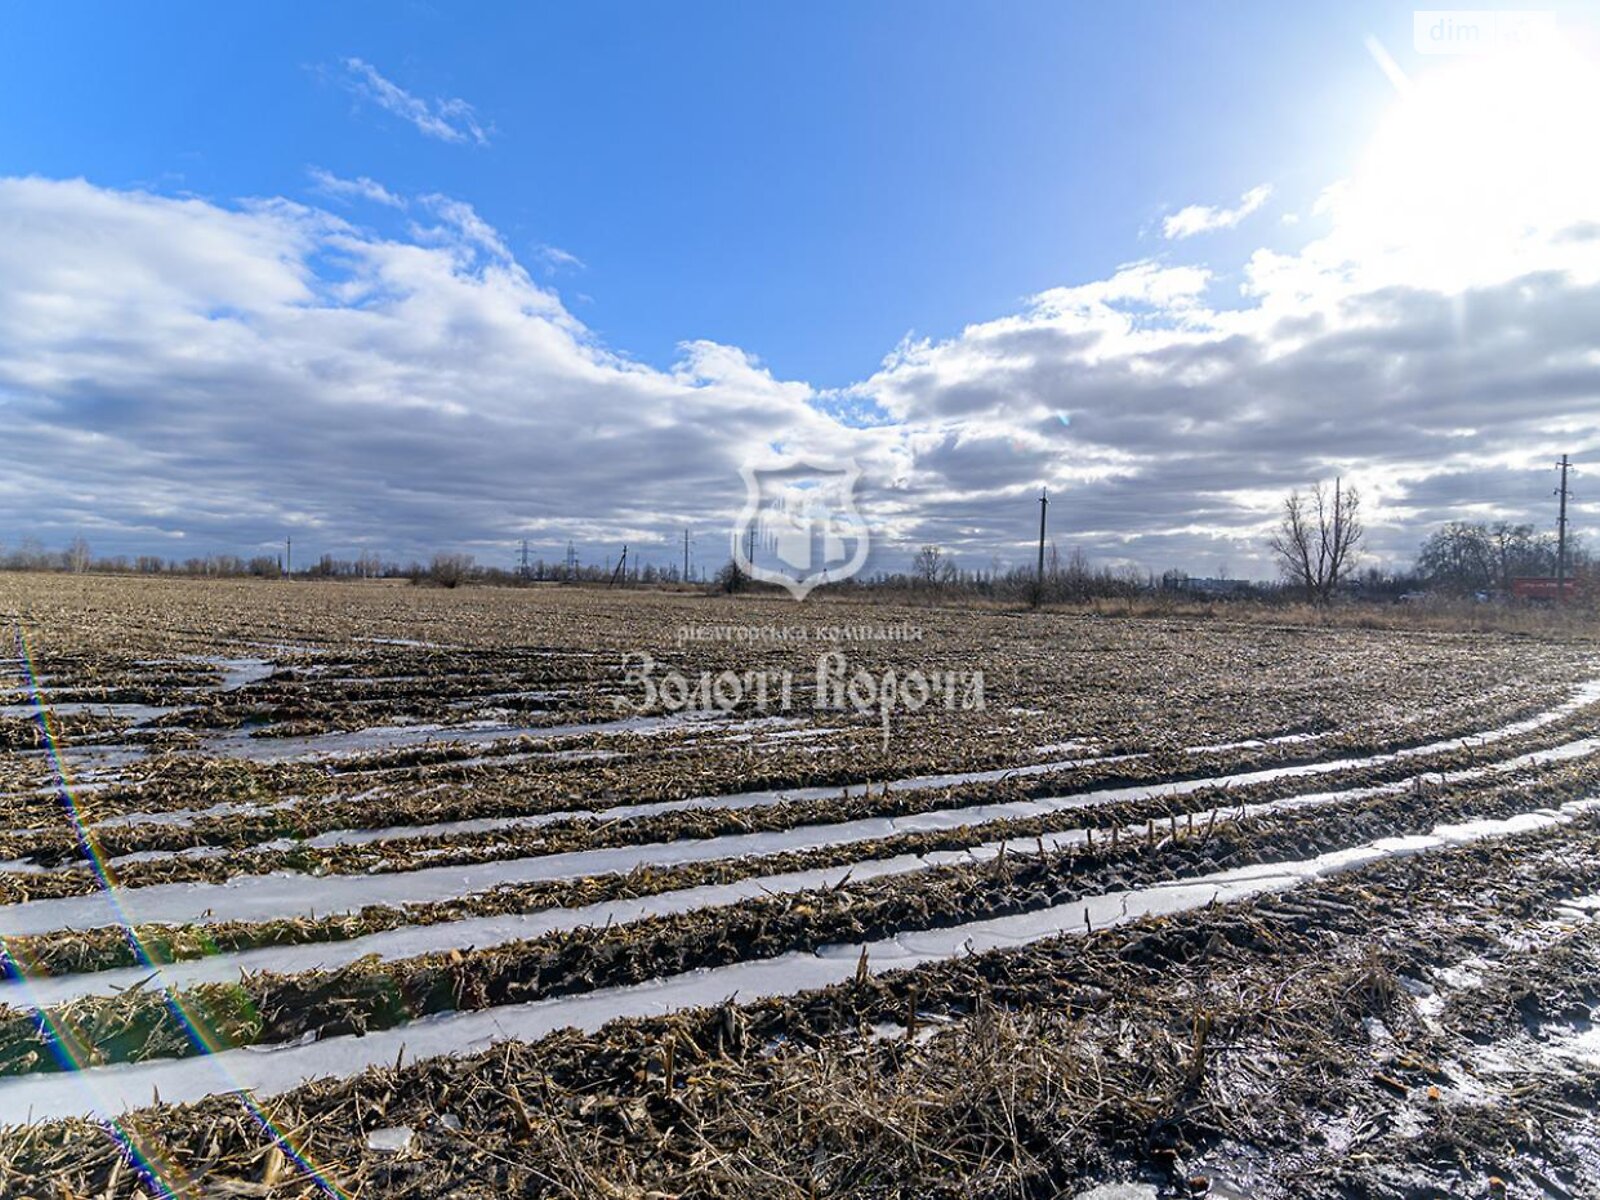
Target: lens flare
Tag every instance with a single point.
(154, 1164)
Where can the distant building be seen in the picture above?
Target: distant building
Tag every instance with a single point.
(1177, 581)
(1218, 587)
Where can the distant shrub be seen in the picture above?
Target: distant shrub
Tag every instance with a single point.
(450, 570)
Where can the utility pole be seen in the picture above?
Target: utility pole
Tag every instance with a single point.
(288, 555)
(525, 573)
(1331, 556)
(750, 554)
(1561, 534)
(686, 556)
(572, 561)
(1044, 504)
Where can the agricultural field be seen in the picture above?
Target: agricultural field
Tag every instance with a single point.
(377, 890)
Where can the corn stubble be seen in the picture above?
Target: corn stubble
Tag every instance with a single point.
(1316, 1041)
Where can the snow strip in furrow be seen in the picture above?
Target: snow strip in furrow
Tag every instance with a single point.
(137, 713)
(483, 933)
(356, 743)
(621, 812)
(755, 799)
(752, 799)
(379, 738)
(289, 894)
(1587, 694)
(273, 1069)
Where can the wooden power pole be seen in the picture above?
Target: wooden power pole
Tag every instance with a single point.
(1044, 504)
(1561, 534)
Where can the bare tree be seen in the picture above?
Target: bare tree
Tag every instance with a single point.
(77, 556)
(927, 564)
(1318, 538)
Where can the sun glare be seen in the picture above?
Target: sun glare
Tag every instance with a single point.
(1477, 163)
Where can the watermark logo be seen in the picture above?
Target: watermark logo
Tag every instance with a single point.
(799, 527)
(837, 686)
(1479, 31)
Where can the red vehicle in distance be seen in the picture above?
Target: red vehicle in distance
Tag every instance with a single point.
(1544, 588)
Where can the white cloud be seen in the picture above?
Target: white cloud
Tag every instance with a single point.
(1433, 351)
(176, 368)
(556, 259)
(1201, 218)
(360, 188)
(179, 370)
(462, 224)
(448, 120)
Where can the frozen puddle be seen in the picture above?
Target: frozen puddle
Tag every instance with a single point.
(486, 932)
(274, 1069)
(238, 672)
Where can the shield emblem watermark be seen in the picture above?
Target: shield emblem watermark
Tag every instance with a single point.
(799, 527)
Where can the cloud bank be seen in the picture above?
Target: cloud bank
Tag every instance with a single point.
(182, 376)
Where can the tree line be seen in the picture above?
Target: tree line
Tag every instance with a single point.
(1316, 546)
(447, 569)
(1464, 558)
(1318, 542)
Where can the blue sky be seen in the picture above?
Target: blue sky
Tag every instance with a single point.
(414, 277)
(810, 182)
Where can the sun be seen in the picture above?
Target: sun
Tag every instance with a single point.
(1478, 167)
